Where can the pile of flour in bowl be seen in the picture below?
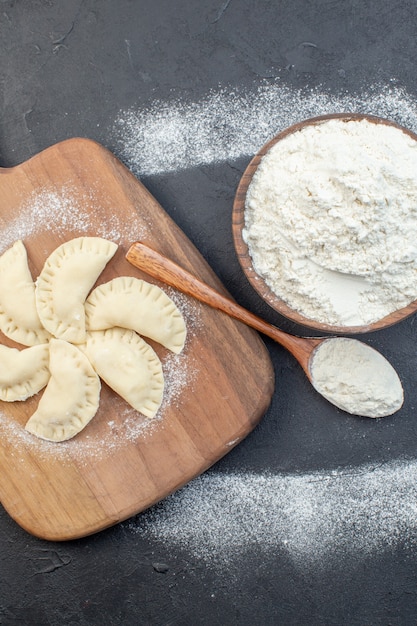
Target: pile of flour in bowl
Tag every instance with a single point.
(331, 220)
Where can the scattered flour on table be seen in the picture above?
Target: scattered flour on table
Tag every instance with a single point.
(229, 124)
(316, 519)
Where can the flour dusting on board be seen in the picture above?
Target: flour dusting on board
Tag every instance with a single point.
(180, 372)
(229, 124)
(66, 212)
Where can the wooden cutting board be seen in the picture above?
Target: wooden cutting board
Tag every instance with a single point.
(216, 390)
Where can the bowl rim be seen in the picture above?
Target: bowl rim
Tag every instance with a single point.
(242, 250)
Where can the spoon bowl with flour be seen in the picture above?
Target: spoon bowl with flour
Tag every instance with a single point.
(347, 372)
(325, 223)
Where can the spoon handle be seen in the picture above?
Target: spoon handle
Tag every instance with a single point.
(165, 270)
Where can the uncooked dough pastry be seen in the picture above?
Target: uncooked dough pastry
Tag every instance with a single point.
(71, 398)
(66, 278)
(23, 372)
(138, 305)
(19, 319)
(129, 366)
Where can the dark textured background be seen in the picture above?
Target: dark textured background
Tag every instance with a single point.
(67, 70)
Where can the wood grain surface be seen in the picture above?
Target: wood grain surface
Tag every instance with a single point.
(217, 389)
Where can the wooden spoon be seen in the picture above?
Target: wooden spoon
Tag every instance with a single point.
(302, 348)
(165, 270)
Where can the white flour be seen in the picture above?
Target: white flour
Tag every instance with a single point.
(331, 221)
(230, 123)
(317, 519)
(356, 378)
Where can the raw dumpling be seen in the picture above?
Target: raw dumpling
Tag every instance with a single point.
(138, 305)
(19, 319)
(66, 278)
(23, 372)
(71, 398)
(129, 366)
